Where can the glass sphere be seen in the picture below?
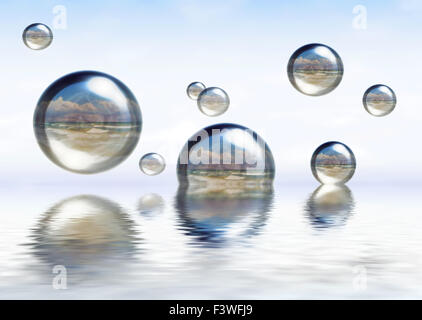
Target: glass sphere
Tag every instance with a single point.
(213, 101)
(152, 164)
(379, 100)
(333, 162)
(315, 69)
(87, 122)
(226, 153)
(194, 89)
(37, 36)
(329, 206)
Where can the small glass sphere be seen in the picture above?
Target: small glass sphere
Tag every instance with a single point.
(194, 89)
(215, 217)
(379, 100)
(213, 101)
(226, 153)
(315, 69)
(87, 122)
(152, 164)
(37, 36)
(333, 162)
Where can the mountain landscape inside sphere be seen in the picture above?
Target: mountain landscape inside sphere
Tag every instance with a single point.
(87, 122)
(226, 153)
(379, 100)
(315, 69)
(213, 101)
(152, 164)
(333, 163)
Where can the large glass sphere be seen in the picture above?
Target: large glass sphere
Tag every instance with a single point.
(226, 153)
(213, 101)
(330, 206)
(194, 89)
(152, 164)
(379, 100)
(315, 69)
(37, 36)
(87, 122)
(333, 162)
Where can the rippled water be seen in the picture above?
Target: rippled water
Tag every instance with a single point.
(131, 242)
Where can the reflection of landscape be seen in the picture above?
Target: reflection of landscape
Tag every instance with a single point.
(86, 234)
(212, 217)
(333, 163)
(379, 100)
(315, 70)
(86, 123)
(213, 101)
(329, 206)
(231, 155)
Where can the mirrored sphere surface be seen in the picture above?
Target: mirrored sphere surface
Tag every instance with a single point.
(85, 230)
(37, 36)
(194, 89)
(213, 101)
(152, 164)
(333, 162)
(151, 204)
(379, 100)
(220, 216)
(226, 153)
(330, 205)
(87, 122)
(315, 69)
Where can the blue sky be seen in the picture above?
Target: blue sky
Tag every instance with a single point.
(158, 48)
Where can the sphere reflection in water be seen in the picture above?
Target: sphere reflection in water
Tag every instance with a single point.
(213, 101)
(37, 36)
(216, 216)
(333, 162)
(150, 204)
(226, 153)
(330, 205)
(315, 69)
(152, 164)
(87, 122)
(85, 231)
(379, 100)
(194, 89)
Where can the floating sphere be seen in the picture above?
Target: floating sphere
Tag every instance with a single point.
(379, 100)
(152, 164)
(315, 69)
(194, 89)
(330, 206)
(37, 36)
(226, 153)
(213, 101)
(87, 122)
(333, 162)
